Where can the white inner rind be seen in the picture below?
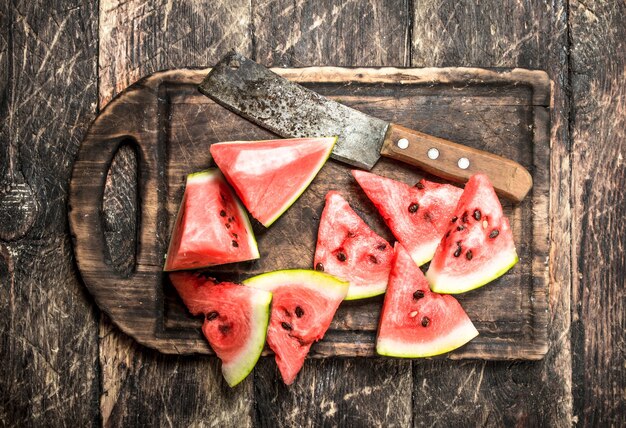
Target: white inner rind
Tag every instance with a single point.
(456, 338)
(236, 370)
(321, 282)
(425, 252)
(254, 248)
(453, 284)
(364, 291)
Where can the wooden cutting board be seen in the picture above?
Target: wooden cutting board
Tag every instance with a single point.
(170, 127)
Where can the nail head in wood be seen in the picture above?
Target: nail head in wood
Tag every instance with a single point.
(403, 143)
(463, 163)
(433, 153)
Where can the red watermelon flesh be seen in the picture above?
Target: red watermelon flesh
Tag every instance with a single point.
(303, 307)
(350, 250)
(211, 228)
(236, 319)
(270, 175)
(417, 216)
(478, 246)
(415, 322)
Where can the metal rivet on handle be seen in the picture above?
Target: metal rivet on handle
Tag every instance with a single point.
(433, 153)
(403, 143)
(463, 163)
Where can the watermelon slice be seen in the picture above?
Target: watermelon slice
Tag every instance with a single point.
(417, 216)
(478, 246)
(270, 175)
(304, 304)
(415, 322)
(211, 228)
(235, 323)
(350, 250)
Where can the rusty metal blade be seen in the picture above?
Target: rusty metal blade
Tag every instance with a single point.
(291, 110)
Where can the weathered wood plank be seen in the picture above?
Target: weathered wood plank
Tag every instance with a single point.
(304, 33)
(142, 387)
(495, 34)
(48, 94)
(138, 38)
(301, 33)
(598, 61)
(350, 392)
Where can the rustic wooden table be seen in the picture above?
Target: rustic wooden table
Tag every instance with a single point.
(63, 363)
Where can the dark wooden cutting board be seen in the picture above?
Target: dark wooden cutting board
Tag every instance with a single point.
(170, 127)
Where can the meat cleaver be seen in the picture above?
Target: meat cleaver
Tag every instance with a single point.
(291, 110)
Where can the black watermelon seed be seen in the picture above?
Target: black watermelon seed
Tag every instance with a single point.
(460, 228)
(235, 243)
(373, 259)
(425, 322)
(494, 233)
(381, 247)
(464, 218)
(457, 253)
(299, 312)
(341, 256)
(448, 234)
(413, 207)
(418, 294)
(469, 255)
(350, 234)
(319, 267)
(227, 225)
(223, 213)
(454, 219)
(477, 215)
(428, 216)
(286, 326)
(419, 185)
(224, 328)
(212, 315)
(235, 235)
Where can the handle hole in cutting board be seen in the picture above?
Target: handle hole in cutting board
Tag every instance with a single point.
(120, 216)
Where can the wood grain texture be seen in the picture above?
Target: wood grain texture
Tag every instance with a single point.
(136, 38)
(509, 179)
(511, 34)
(139, 37)
(598, 61)
(48, 95)
(142, 387)
(335, 392)
(287, 33)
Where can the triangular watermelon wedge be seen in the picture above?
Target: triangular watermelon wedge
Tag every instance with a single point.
(211, 228)
(478, 246)
(415, 322)
(269, 176)
(303, 306)
(350, 250)
(417, 216)
(235, 323)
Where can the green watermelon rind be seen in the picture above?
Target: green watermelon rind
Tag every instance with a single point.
(455, 285)
(305, 185)
(216, 173)
(237, 370)
(324, 283)
(455, 339)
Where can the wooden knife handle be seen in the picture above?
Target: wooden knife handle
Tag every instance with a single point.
(456, 162)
